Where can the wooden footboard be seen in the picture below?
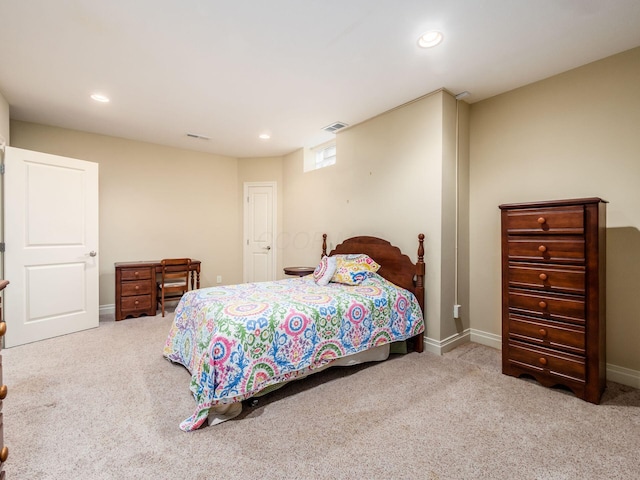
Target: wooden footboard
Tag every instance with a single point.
(394, 266)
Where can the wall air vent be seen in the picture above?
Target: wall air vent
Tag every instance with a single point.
(201, 137)
(335, 126)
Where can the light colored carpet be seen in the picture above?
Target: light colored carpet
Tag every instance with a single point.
(104, 404)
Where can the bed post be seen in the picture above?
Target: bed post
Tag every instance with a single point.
(324, 245)
(419, 339)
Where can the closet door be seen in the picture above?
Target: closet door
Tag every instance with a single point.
(259, 231)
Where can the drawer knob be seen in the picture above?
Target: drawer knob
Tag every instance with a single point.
(136, 273)
(541, 304)
(543, 276)
(137, 287)
(543, 332)
(136, 302)
(542, 249)
(3, 392)
(542, 220)
(3, 328)
(542, 360)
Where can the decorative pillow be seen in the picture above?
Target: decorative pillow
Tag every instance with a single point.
(353, 269)
(325, 270)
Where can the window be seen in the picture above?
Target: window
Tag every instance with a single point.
(326, 156)
(321, 156)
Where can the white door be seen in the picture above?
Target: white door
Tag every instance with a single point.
(259, 231)
(51, 236)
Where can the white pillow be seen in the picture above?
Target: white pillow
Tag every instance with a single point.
(325, 270)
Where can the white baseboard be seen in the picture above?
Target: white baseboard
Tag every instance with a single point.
(625, 376)
(485, 338)
(442, 346)
(109, 309)
(469, 335)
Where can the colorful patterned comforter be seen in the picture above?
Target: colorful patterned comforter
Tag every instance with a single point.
(236, 340)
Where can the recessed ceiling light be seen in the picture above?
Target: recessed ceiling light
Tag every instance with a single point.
(264, 136)
(430, 39)
(100, 98)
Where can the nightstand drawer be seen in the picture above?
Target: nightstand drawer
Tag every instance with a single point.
(556, 307)
(550, 334)
(138, 302)
(567, 279)
(546, 248)
(136, 288)
(136, 273)
(558, 220)
(544, 360)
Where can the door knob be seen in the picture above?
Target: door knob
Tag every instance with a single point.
(93, 253)
(267, 247)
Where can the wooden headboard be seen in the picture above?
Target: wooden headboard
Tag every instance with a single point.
(394, 265)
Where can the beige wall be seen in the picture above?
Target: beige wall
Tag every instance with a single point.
(570, 136)
(155, 201)
(464, 239)
(394, 178)
(4, 120)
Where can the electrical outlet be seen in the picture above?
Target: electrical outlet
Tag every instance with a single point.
(219, 279)
(456, 311)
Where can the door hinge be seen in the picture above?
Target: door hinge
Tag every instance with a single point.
(1, 168)
(2, 247)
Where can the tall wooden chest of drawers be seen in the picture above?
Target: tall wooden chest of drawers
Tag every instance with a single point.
(553, 293)
(4, 450)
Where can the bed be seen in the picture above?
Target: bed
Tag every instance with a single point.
(239, 341)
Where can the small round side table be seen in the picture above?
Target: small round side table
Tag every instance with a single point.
(298, 271)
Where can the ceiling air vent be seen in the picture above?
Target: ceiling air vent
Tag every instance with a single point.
(197, 135)
(335, 126)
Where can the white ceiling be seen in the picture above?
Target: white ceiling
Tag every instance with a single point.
(230, 70)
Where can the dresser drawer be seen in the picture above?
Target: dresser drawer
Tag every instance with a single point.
(555, 307)
(546, 248)
(138, 302)
(551, 362)
(547, 333)
(4, 450)
(567, 279)
(556, 220)
(136, 273)
(136, 288)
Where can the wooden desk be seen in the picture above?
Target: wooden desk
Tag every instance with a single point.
(136, 287)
